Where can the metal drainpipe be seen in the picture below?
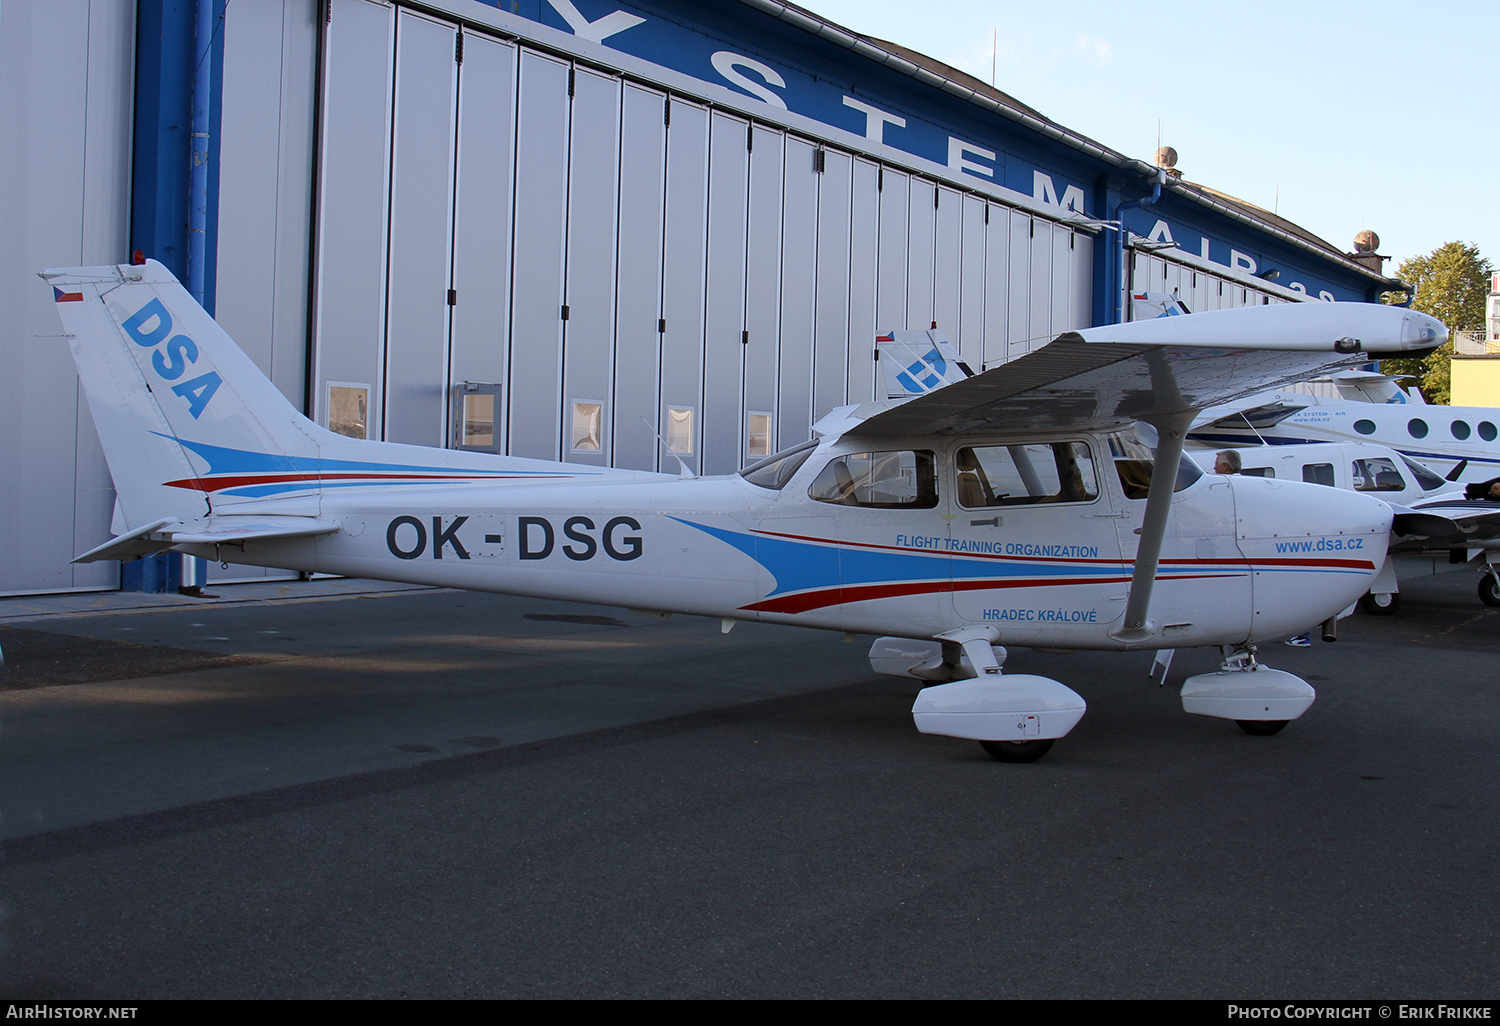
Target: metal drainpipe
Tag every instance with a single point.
(192, 570)
(203, 34)
(1145, 201)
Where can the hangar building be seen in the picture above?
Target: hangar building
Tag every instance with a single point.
(587, 230)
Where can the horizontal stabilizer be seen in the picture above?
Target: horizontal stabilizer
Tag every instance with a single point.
(211, 530)
(143, 541)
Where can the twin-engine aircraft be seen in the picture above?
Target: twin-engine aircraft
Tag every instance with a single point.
(1019, 506)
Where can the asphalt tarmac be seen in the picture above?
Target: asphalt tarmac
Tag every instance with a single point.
(315, 790)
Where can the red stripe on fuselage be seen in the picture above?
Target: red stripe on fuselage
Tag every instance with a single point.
(215, 484)
(807, 600)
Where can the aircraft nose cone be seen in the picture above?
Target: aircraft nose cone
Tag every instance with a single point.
(1419, 331)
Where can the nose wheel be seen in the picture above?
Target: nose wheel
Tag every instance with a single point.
(1262, 728)
(1489, 589)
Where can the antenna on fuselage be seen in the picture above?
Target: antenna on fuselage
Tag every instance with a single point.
(687, 474)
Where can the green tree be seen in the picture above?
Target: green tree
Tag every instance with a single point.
(1452, 283)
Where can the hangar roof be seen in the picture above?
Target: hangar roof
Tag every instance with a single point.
(958, 83)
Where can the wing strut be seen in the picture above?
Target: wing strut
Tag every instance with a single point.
(1171, 431)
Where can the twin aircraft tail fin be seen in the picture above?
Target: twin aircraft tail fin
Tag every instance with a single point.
(171, 394)
(916, 362)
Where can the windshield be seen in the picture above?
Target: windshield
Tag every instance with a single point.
(774, 472)
(1426, 479)
(1135, 460)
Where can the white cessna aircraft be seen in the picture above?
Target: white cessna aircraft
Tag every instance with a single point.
(1017, 506)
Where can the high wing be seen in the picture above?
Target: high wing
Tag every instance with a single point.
(1104, 378)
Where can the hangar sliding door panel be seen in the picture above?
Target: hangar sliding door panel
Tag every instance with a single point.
(638, 311)
(947, 262)
(588, 333)
(684, 257)
(265, 164)
(1062, 280)
(921, 224)
(1019, 294)
(890, 297)
(997, 297)
(353, 194)
(864, 234)
(799, 268)
(541, 207)
(763, 277)
(969, 336)
(1039, 328)
(1081, 291)
(723, 350)
(484, 192)
(831, 328)
(416, 356)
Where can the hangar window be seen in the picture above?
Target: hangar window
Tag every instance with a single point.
(588, 426)
(680, 430)
(349, 409)
(1318, 473)
(757, 434)
(1019, 475)
(1460, 429)
(1365, 427)
(1486, 431)
(1418, 427)
(879, 480)
(474, 405)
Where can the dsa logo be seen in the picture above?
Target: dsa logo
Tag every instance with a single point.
(151, 328)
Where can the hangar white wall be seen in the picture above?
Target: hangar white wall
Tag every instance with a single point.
(65, 132)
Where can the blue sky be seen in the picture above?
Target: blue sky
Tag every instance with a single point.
(1338, 115)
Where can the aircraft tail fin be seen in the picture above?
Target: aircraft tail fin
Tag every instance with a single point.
(171, 394)
(916, 362)
(1145, 306)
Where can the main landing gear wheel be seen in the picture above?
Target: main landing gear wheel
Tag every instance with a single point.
(1262, 728)
(1018, 751)
(1489, 591)
(1383, 605)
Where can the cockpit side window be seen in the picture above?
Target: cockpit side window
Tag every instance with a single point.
(1377, 475)
(1017, 475)
(879, 480)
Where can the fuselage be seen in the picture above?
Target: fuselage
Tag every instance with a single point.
(1439, 437)
(913, 538)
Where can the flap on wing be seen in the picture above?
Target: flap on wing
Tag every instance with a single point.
(212, 530)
